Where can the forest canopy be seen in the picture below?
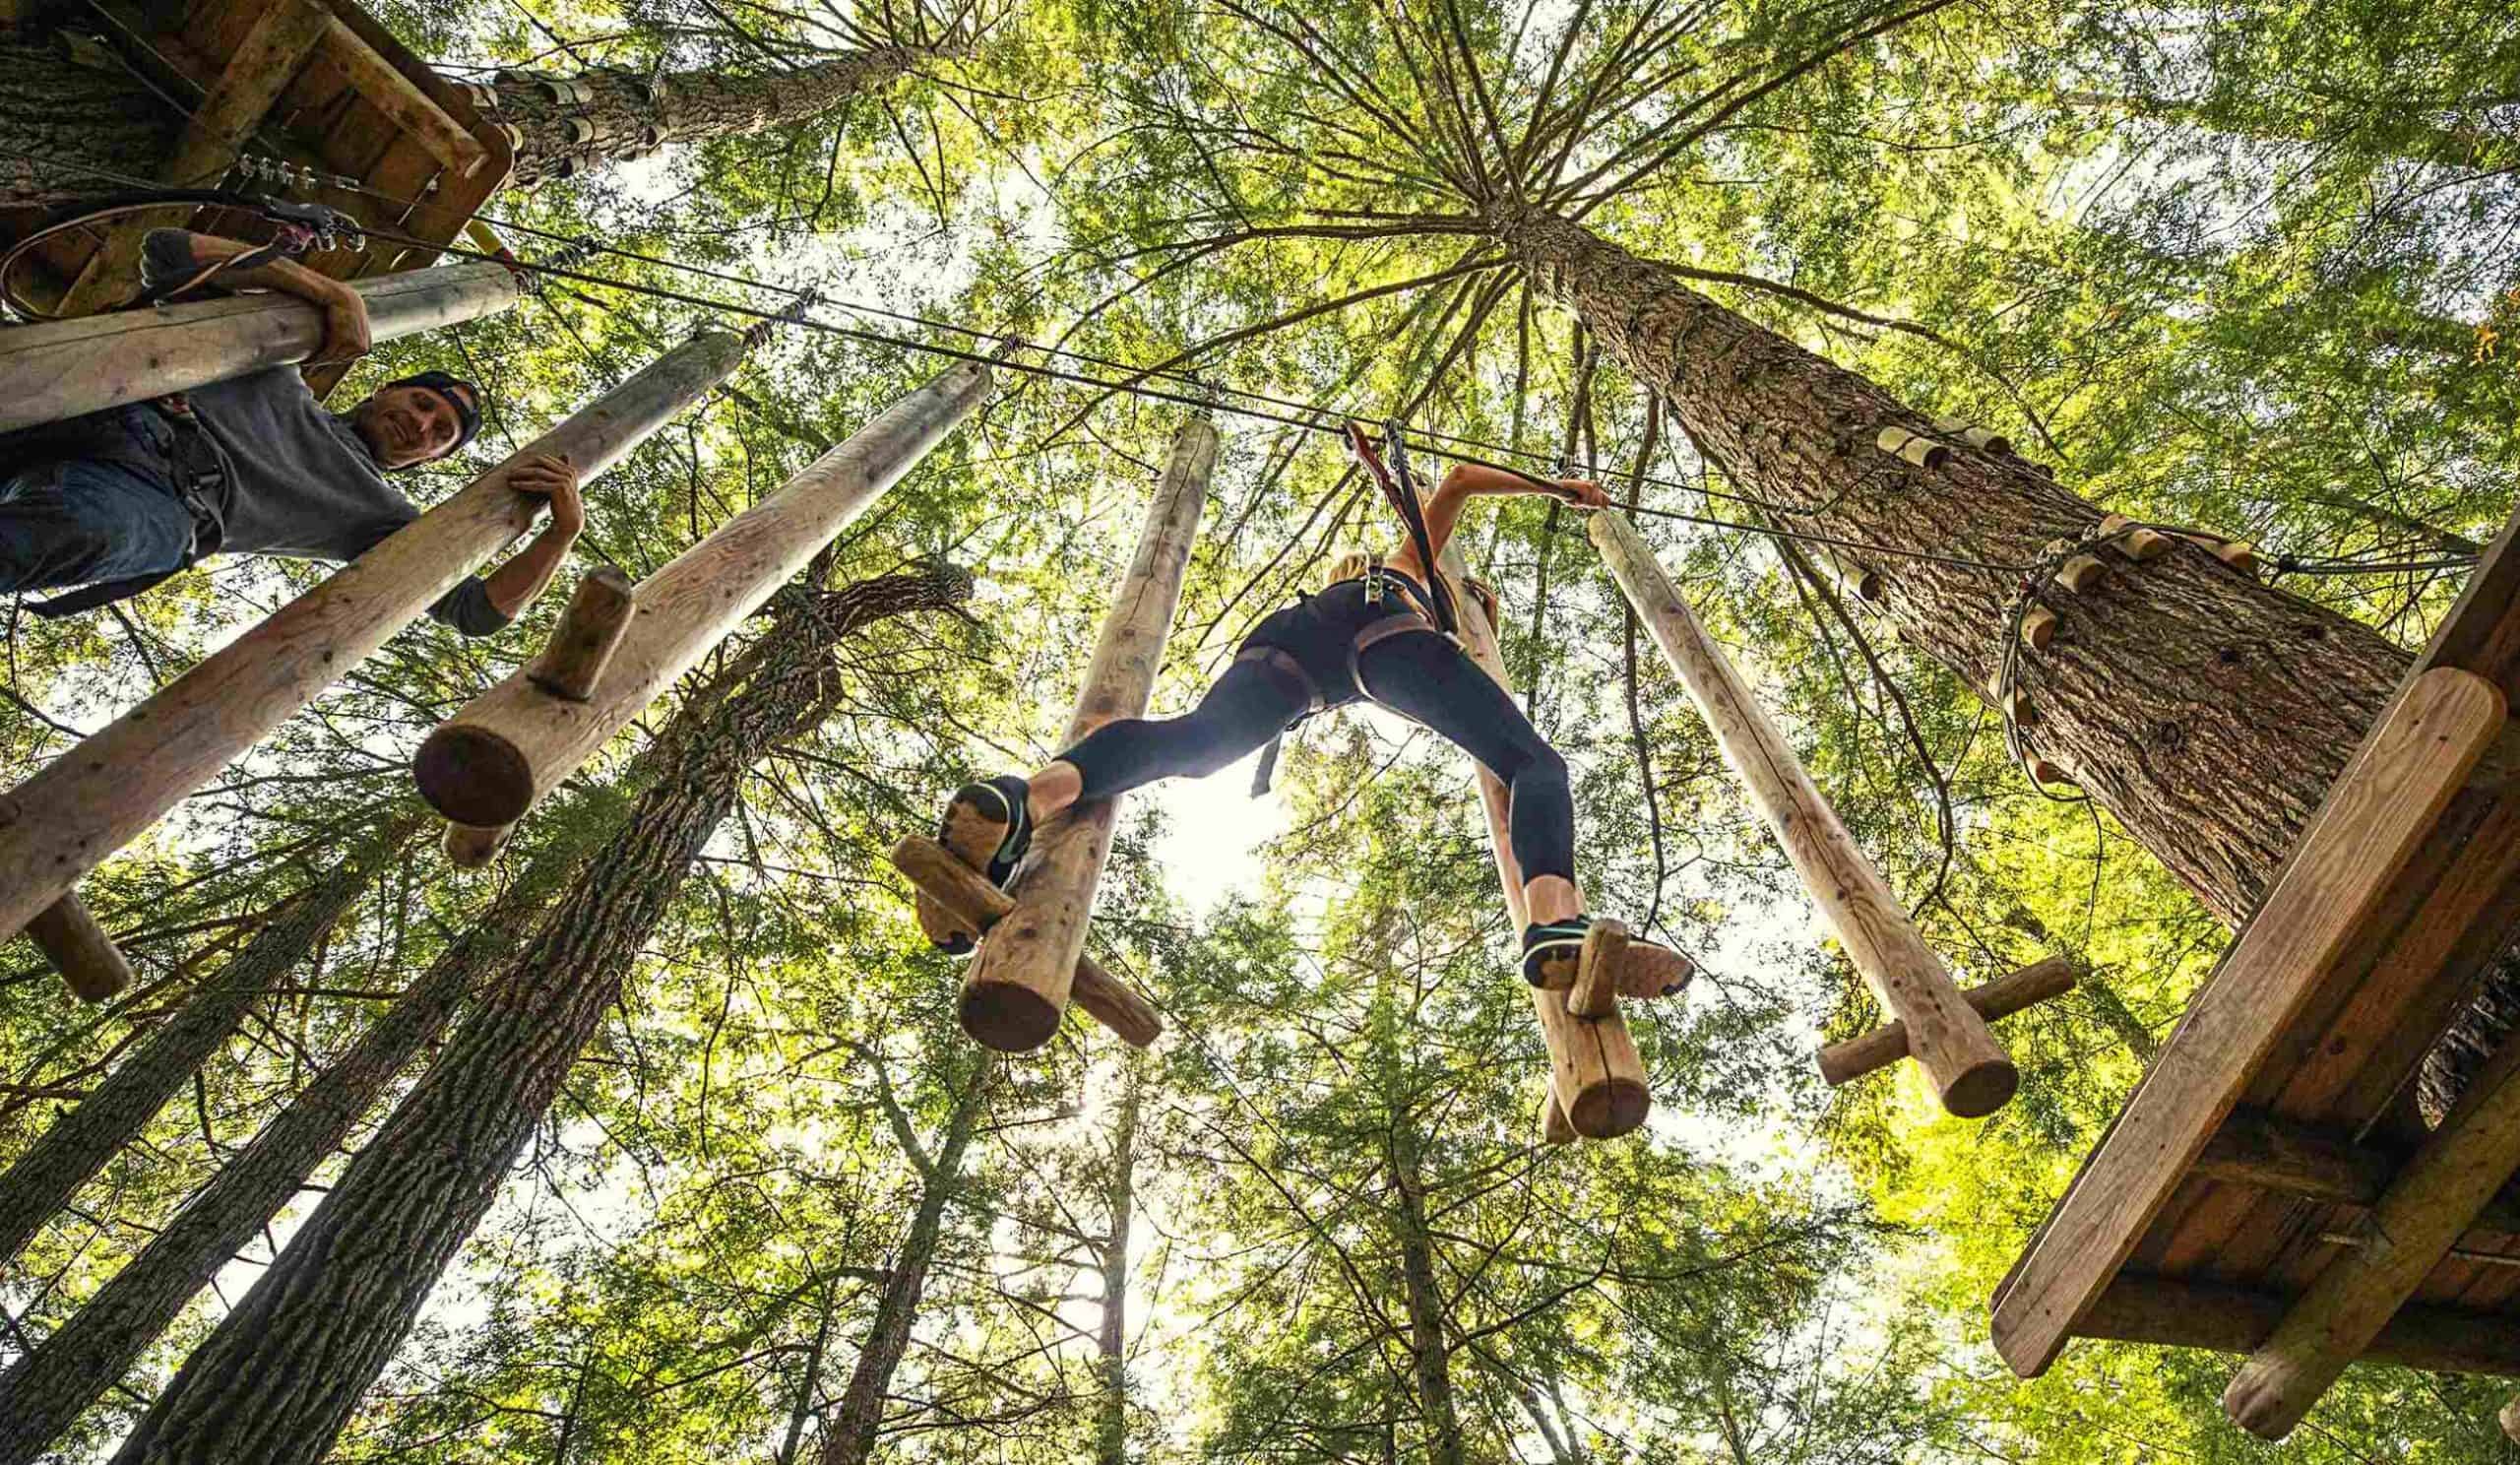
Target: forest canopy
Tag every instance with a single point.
(655, 1136)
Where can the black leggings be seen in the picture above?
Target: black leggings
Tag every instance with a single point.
(1421, 675)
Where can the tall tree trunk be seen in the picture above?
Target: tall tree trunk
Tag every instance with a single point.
(1430, 1356)
(43, 1393)
(112, 1115)
(2206, 710)
(859, 1417)
(570, 125)
(278, 1379)
(806, 1381)
(1111, 1410)
(60, 118)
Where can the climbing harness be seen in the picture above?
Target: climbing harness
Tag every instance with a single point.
(1407, 606)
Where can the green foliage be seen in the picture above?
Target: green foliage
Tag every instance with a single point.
(2245, 267)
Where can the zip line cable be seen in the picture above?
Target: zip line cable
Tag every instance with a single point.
(1203, 395)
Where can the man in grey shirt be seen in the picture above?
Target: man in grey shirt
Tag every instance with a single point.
(121, 499)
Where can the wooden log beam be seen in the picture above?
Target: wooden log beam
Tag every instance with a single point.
(1597, 1079)
(2376, 816)
(57, 369)
(79, 948)
(493, 761)
(591, 629)
(2257, 1148)
(963, 890)
(383, 86)
(1970, 1074)
(265, 61)
(469, 846)
(2233, 1320)
(98, 795)
(1021, 980)
(2414, 1225)
(1844, 1062)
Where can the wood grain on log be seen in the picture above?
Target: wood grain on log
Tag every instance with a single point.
(1020, 981)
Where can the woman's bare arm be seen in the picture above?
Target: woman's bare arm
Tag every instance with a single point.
(1465, 482)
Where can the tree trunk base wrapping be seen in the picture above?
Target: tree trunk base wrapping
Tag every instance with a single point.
(2454, 1062)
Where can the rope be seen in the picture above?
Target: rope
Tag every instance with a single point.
(1204, 395)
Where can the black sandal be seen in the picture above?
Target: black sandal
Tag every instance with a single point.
(1553, 952)
(987, 826)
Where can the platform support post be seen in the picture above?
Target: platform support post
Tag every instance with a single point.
(1969, 1071)
(1019, 984)
(493, 761)
(100, 795)
(57, 369)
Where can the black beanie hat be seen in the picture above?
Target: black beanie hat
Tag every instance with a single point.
(467, 401)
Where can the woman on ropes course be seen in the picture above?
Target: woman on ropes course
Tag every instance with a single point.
(1380, 630)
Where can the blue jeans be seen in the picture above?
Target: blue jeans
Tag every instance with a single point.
(77, 523)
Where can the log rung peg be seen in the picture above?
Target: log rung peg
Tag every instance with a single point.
(1987, 439)
(2050, 774)
(2014, 704)
(1554, 1127)
(1912, 447)
(1842, 1063)
(77, 945)
(1859, 580)
(2037, 627)
(2141, 545)
(2240, 554)
(470, 847)
(969, 895)
(591, 629)
(2080, 573)
(1595, 993)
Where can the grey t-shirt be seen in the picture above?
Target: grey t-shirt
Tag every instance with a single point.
(301, 482)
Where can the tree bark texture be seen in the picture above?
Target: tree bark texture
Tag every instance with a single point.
(279, 1378)
(1111, 1344)
(2207, 712)
(43, 1393)
(81, 1143)
(60, 118)
(570, 125)
(859, 1417)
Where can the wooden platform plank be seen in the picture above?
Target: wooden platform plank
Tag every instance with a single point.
(2235, 1320)
(2419, 1219)
(2373, 820)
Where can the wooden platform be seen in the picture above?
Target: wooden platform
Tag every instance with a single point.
(317, 83)
(2231, 1206)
